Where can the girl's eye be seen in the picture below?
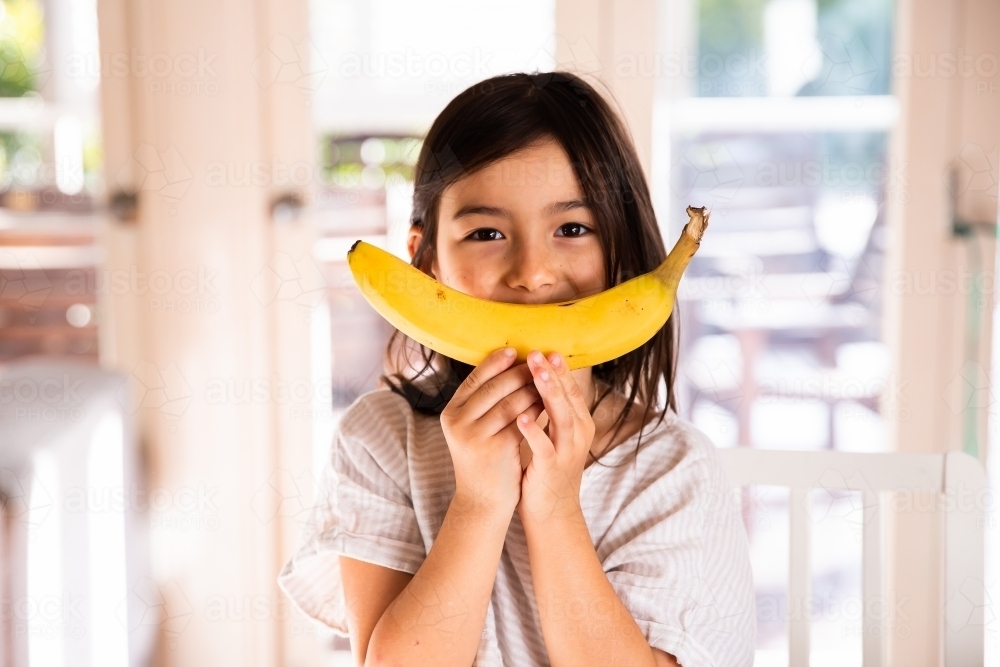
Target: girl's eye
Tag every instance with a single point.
(576, 225)
(476, 235)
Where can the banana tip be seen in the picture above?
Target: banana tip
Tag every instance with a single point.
(353, 246)
(697, 223)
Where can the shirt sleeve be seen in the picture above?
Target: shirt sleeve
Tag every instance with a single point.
(363, 509)
(680, 560)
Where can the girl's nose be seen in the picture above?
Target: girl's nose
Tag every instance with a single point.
(530, 268)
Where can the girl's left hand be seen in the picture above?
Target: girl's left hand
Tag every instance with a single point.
(550, 486)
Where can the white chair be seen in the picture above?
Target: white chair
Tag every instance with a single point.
(955, 474)
(63, 409)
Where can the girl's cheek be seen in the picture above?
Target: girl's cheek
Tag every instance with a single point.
(473, 277)
(482, 268)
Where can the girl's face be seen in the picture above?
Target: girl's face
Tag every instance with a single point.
(518, 231)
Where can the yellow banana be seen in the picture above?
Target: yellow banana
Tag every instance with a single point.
(586, 331)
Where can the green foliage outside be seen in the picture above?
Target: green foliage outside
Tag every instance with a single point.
(22, 54)
(346, 165)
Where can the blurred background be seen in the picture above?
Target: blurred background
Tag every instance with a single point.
(179, 332)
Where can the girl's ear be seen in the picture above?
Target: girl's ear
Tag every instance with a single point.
(413, 240)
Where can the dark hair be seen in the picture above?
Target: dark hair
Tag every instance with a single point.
(499, 116)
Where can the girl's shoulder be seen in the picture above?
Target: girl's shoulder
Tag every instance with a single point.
(380, 400)
(377, 419)
(676, 447)
(676, 435)
(695, 443)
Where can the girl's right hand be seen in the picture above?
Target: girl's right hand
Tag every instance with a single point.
(480, 429)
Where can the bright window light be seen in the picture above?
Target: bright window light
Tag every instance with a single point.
(793, 55)
(106, 542)
(790, 424)
(843, 224)
(43, 610)
(67, 137)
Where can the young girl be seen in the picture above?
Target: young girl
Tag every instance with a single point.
(519, 513)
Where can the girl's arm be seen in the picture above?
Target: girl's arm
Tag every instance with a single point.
(437, 620)
(583, 620)
(369, 589)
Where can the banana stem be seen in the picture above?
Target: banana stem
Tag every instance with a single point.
(673, 267)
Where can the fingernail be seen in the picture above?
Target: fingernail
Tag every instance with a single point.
(545, 375)
(556, 360)
(539, 357)
(509, 352)
(524, 419)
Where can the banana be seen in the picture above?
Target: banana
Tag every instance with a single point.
(586, 331)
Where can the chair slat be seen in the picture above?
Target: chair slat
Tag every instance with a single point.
(799, 574)
(959, 476)
(876, 606)
(964, 560)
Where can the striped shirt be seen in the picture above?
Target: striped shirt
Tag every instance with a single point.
(665, 526)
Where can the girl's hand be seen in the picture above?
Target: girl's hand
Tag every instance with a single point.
(478, 425)
(550, 486)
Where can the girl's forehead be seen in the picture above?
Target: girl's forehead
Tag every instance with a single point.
(533, 170)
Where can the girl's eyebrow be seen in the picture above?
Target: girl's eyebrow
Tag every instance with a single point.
(476, 209)
(564, 206)
(551, 209)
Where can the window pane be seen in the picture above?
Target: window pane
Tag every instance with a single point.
(794, 47)
(781, 308)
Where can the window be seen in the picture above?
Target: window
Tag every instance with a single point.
(778, 121)
(50, 176)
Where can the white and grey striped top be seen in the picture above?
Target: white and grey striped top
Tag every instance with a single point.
(666, 526)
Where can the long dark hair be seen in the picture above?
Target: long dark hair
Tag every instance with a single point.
(494, 118)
